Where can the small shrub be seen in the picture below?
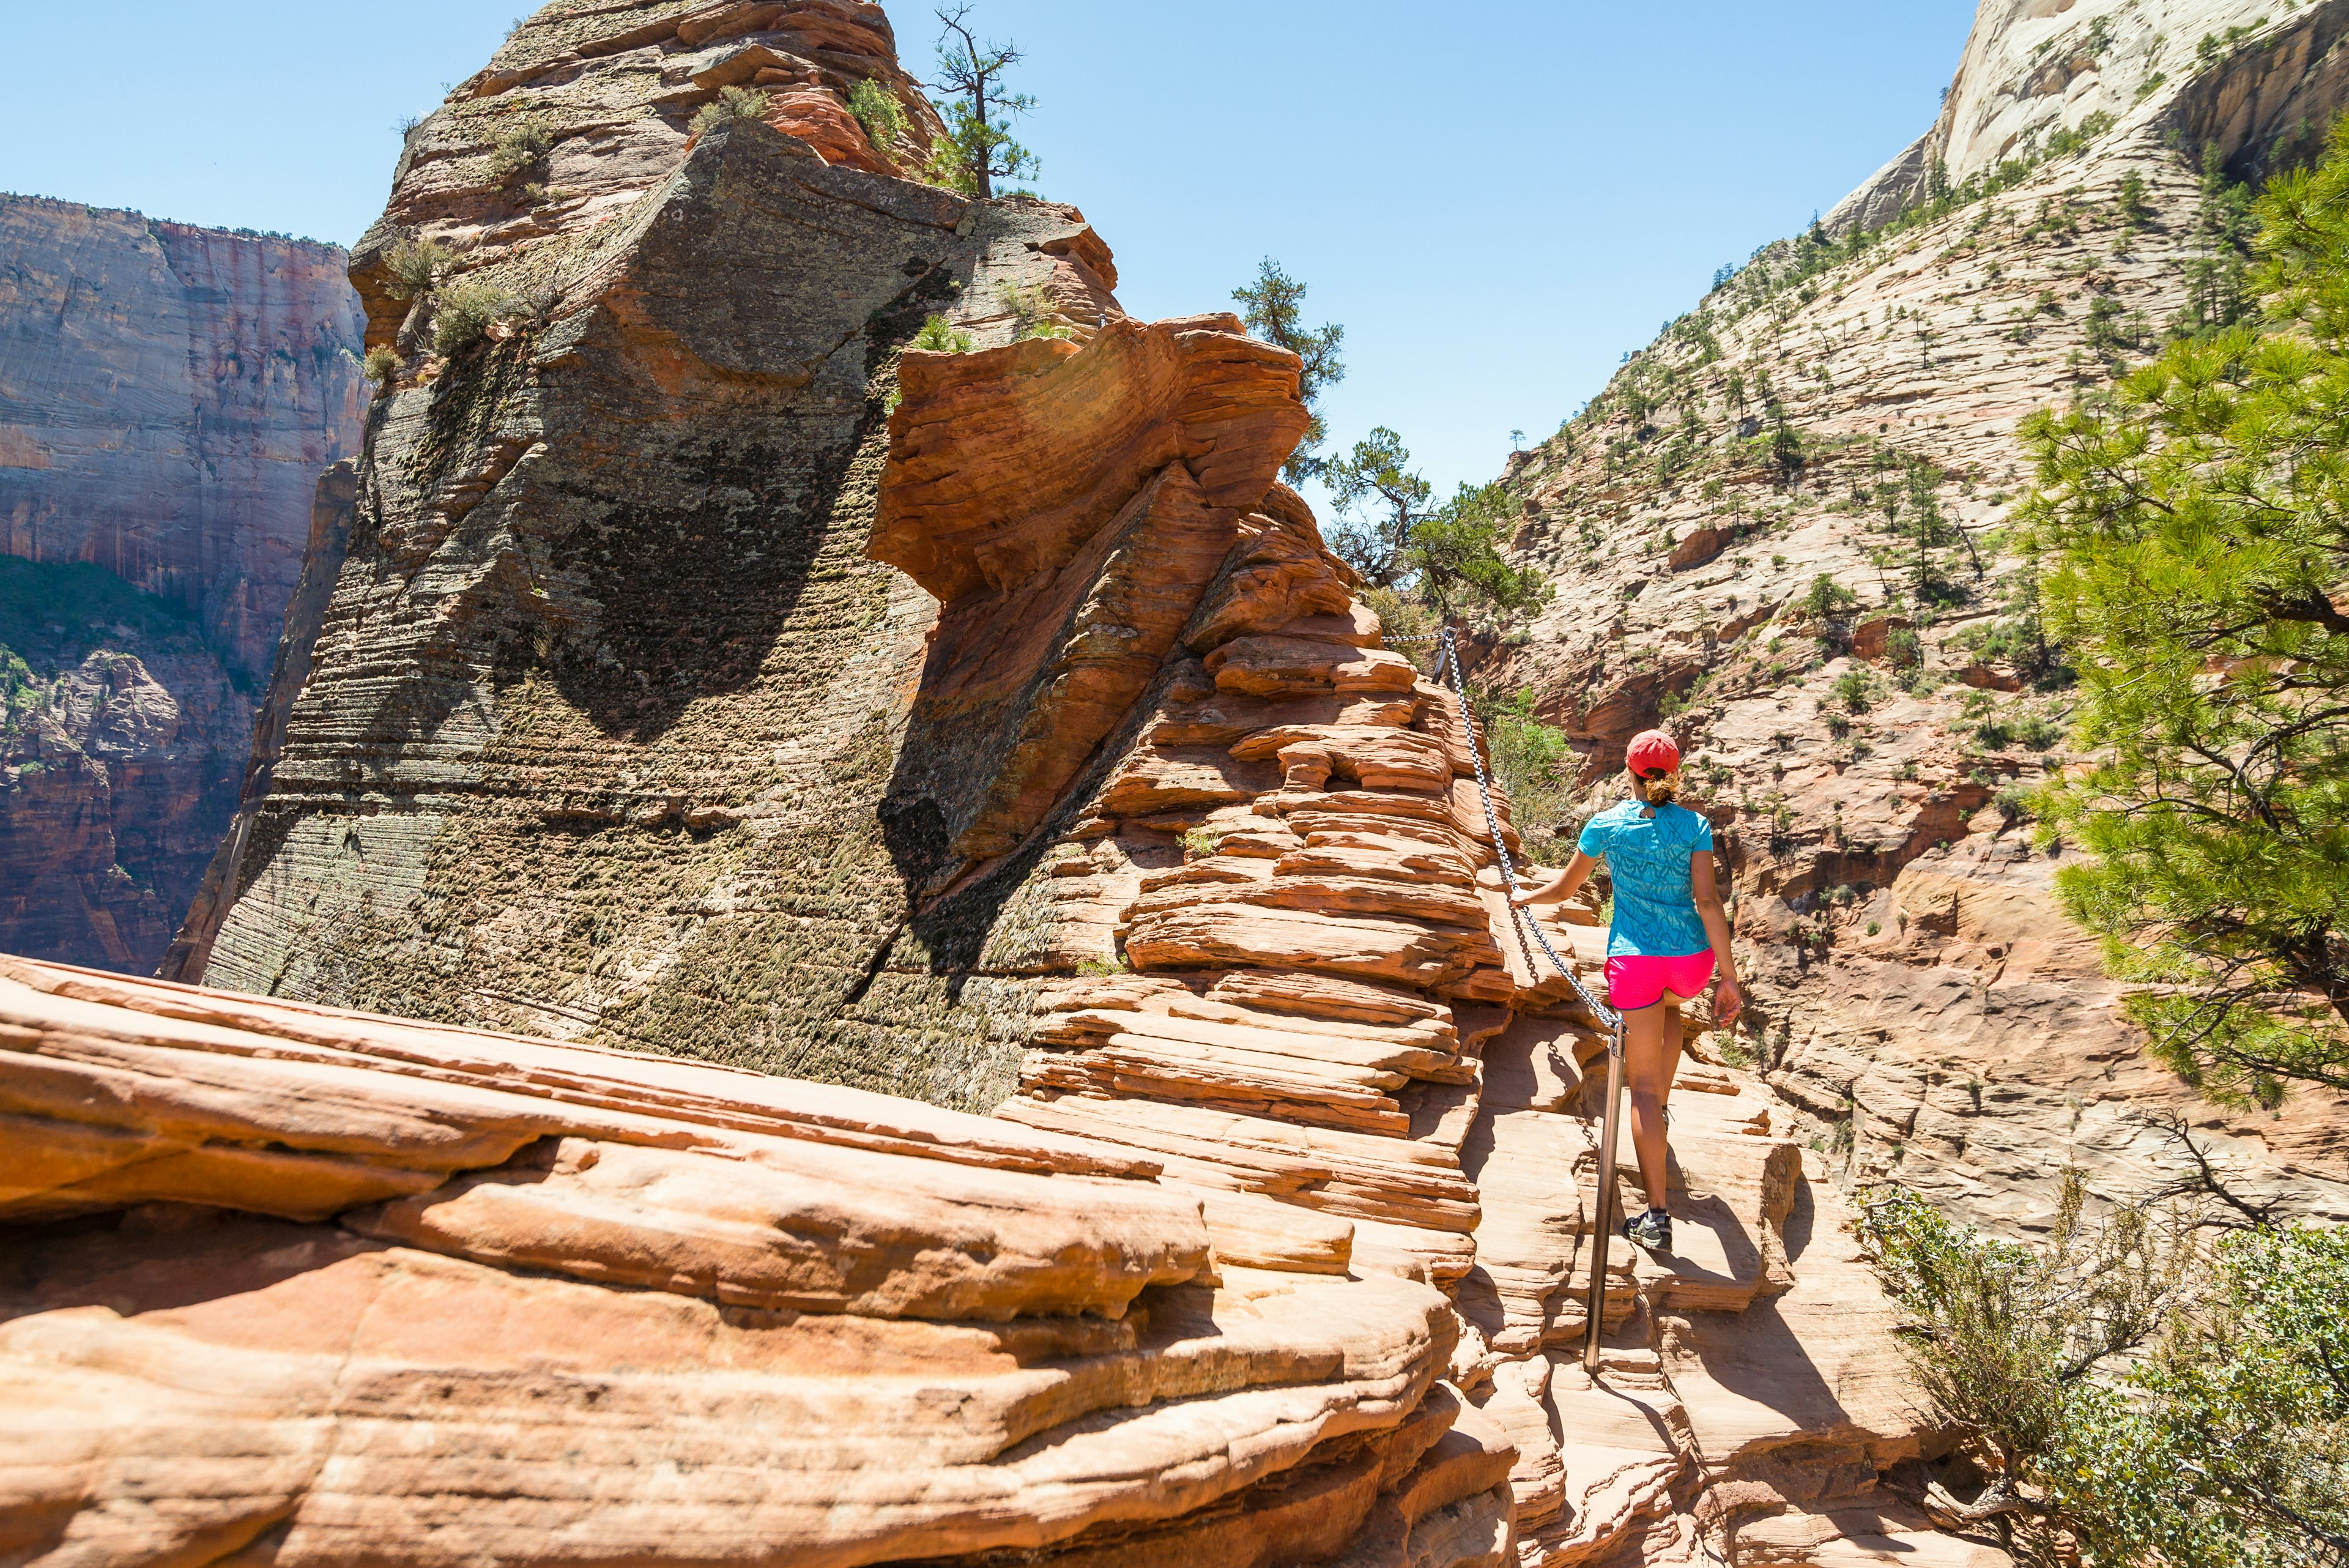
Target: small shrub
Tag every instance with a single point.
(1826, 599)
(518, 146)
(876, 109)
(2039, 734)
(414, 266)
(2014, 803)
(939, 336)
(1855, 689)
(1528, 758)
(1032, 311)
(1203, 841)
(1903, 650)
(463, 312)
(380, 365)
(731, 104)
(1407, 624)
(1874, 927)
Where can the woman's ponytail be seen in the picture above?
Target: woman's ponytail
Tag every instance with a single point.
(1660, 789)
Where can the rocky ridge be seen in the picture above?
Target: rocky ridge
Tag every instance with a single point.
(1921, 1002)
(713, 673)
(346, 1285)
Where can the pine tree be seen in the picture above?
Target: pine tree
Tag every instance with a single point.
(1271, 311)
(1447, 555)
(2195, 549)
(978, 149)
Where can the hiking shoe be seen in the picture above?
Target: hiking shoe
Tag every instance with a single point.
(1652, 1231)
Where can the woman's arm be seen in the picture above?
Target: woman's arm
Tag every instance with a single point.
(1727, 1000)
(1560, 887)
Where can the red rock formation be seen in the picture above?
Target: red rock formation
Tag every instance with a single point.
(119, 738)
(1068, 507)
(547, 1304)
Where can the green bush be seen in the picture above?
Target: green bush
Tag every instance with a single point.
(731, 104)
(518, 146)
(1828, 600)
(414, 266)
(1903, 650)
(462, 313)
(1032, 311)
(1855, 689)
(939, 336)
(380, 365)
(1528, 761)
(876, 109)
(2038, 732)
(2133, 1392)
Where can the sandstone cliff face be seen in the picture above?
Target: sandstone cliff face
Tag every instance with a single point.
(608, 694)
(1925, 1005)
(168, 395)
(2034, 70)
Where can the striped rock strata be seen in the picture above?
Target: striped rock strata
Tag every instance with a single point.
(319, 1287)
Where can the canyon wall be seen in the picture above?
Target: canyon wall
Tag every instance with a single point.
(1921, 999)
(168, 397)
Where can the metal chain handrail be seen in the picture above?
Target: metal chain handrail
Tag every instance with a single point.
(1594, 1300)
(1448, 657)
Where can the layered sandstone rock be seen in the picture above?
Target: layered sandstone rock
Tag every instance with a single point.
(347, 1285)
(2034, 69)
(606, 699)
(170, 395)
(1921, 1002)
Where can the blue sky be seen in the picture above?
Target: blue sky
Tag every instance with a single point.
(1496, 201)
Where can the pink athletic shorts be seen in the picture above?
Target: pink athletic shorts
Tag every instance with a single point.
(1639, 980)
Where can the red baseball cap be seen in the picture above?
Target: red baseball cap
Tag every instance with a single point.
(1652, 754)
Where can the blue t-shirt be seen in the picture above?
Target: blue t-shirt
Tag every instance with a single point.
(1648, 859)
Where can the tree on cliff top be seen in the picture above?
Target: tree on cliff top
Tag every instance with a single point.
(1271, 313)
(1393, 531)
(2194, 531)
(977, 149)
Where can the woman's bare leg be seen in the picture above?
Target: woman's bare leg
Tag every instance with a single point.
(1651, 1056)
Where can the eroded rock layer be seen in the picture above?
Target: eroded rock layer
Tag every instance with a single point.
(353, 1288)
(604, 700)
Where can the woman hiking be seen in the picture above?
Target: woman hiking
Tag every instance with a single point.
(1667, 939)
